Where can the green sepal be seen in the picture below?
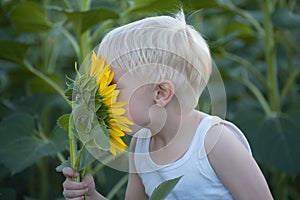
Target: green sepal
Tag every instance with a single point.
(63, 121)
(83, 119)
(69, 91)
(101, 137)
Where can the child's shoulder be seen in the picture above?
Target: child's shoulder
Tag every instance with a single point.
(223, 134)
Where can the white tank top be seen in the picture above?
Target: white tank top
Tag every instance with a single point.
(199, 180)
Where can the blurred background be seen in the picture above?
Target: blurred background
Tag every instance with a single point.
(254, 43)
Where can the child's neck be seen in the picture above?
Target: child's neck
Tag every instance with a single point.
(175, 138)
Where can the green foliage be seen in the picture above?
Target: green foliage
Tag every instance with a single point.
(13, 51)
(285, 19)
(162, 191)
(280, 132)
(21, 147)
(86, 159)
(194, 4)
(85, 20)
(35, 19)
(151, 6)
(255, 45)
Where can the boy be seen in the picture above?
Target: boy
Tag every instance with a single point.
(161, 67)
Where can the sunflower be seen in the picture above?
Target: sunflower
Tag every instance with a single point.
(110, 112)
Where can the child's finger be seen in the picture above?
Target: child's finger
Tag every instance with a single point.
(77, 198)
(71, 194)
(88, 179)
(70, 173)
(72, 185)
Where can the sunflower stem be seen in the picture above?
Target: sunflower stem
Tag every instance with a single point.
(77, 163)
(73, 147)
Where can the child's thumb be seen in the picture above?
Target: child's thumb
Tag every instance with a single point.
(69, 172)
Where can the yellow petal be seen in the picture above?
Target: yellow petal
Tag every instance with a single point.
(105, 76)
(97, 64)
(119, 104)
(116, 131)
(123, 119)
(115, 95)
(111, 76)
(118, 123)
(118, 142)
(108, 91)
(116, 147)
(118, 111)
(124, 128)
(113, 150)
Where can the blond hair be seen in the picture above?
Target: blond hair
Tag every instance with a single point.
(162, 47)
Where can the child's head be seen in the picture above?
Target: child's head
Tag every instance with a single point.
(161, 48)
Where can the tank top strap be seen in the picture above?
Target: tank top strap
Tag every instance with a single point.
(211, 121)
(204, 127)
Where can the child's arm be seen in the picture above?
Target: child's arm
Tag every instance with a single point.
(77, 190)
(135, 188)
(234, 166)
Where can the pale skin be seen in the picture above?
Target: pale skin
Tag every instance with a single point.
(234, 166)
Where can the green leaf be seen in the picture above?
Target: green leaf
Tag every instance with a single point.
(162, 191)
(85, 160)
(37, 85)
(285, 19)
(63, 121)
(8, 193)
(29, 17)
(13, 51)
(152, 6)
(274, 140)
(84, 20)
(242, 29)
(196, 4)
(64, 164)
(58, 140)
(21, 147)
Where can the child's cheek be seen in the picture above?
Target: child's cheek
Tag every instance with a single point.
(131, 112)
(138, 109)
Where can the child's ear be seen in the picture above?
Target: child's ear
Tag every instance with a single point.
(164, 92)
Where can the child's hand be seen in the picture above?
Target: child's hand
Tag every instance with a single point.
(77, 190)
